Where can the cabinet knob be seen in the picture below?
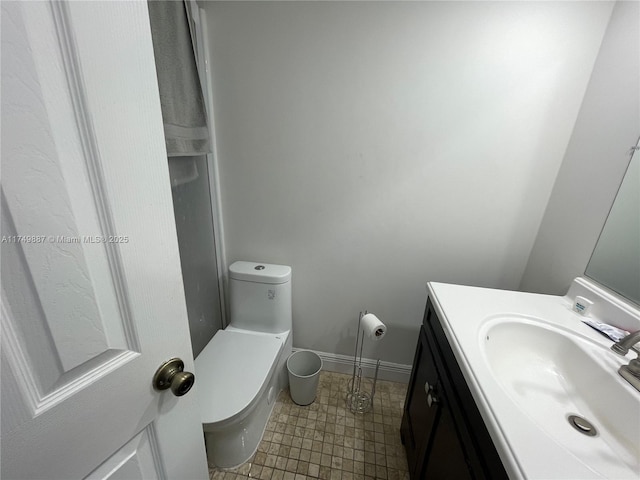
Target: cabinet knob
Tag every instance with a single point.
(431, 394)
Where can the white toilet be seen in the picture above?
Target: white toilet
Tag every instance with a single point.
(243, 367)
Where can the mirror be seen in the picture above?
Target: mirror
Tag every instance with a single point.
(615, 262)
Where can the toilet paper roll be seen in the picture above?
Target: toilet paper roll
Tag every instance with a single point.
(373, 327)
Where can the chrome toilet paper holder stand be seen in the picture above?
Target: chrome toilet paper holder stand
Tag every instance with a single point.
(358, 400)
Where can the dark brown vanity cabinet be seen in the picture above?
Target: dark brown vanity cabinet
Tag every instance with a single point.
(442, 430)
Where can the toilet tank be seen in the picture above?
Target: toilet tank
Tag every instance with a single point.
(260, 297)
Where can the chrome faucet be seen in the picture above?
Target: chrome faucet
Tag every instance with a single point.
(622, 347)
(631, 372)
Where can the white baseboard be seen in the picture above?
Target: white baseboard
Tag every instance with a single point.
(394, 372)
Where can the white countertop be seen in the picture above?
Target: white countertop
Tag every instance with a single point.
(527, 450)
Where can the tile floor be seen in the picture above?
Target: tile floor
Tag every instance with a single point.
(325, 440)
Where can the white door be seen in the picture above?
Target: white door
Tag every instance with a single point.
(92, 296)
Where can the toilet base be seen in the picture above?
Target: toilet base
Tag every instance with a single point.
(236, 444)
(229, 446)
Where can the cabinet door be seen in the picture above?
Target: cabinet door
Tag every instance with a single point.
(473, 438)
(418, 420)
(446, 460)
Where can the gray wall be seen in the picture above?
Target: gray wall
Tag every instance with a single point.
(374, 146)
(598, 154)
(192, 210)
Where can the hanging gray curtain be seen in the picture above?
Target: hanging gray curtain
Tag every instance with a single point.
(183, 112)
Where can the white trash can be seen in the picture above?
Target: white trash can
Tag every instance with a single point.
(304, 373)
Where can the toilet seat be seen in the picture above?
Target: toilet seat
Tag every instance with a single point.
(231, 372)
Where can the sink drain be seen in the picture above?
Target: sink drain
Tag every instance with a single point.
(582, 425)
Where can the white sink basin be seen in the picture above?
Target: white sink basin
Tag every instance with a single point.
(550, 373)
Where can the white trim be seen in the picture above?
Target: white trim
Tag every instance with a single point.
(204, 71)
(333, 362)
(18, 359)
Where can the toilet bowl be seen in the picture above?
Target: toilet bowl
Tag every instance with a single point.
(243, 367)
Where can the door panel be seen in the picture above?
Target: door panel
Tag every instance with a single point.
(134, 461)
(92, 297)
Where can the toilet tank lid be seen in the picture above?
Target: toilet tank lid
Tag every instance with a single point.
(260, 272)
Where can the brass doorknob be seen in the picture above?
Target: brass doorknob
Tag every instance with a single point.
(171, 375)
